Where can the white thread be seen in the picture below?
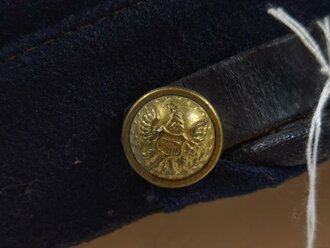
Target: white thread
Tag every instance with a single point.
(316, 123)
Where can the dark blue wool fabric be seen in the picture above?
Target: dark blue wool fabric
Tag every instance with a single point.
(68, 70)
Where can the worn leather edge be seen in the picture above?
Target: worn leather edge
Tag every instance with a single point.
(285, 145)
(269, 89)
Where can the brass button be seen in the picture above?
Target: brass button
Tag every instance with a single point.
(172, 137)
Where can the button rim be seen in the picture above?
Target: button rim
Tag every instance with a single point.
(178, 91)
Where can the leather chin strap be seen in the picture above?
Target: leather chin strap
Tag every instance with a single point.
(264, 98)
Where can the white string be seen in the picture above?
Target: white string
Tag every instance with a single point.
(316, 123)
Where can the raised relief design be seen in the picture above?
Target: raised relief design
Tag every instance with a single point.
(172, 137)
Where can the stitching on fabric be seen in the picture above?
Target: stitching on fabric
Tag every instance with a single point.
(76, 29)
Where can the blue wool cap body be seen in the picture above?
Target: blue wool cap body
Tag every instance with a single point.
(68, 73)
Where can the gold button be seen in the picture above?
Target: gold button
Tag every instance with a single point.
(172, 137)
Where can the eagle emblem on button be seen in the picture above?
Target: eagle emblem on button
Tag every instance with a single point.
(172, 137)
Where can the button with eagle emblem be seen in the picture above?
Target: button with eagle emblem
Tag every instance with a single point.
(172, 137)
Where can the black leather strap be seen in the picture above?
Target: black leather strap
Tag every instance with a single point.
(270, 89)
